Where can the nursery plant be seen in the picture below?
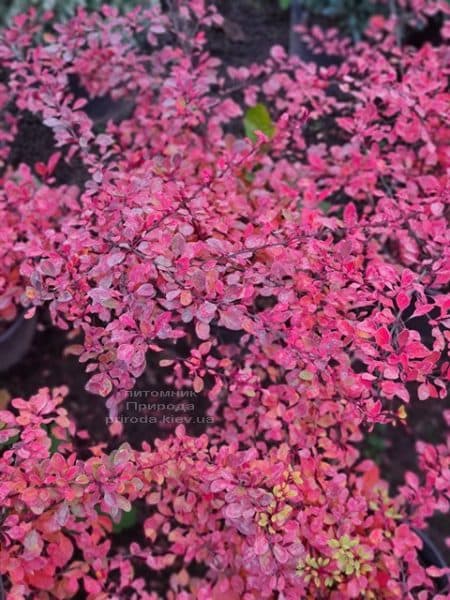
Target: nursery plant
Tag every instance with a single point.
(62, 9)
(350, 16)
(281, 523)
(313, 21)
(293, 273)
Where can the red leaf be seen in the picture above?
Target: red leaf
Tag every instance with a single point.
(382, 336)
(40, 580)
(350, 214)
(91, 586)
(375, 410)
(62, 551)
(79, 103)
(53, 161)
(40, 169)
(416, 350)
(402, 300)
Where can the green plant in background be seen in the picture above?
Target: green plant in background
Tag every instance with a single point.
(127, 520)
(63, 9)
(350, 16)
(375, 444)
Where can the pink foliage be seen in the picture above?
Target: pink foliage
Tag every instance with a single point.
(316, 250)
(287, 521)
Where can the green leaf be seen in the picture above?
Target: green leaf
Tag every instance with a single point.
(127, 520)
(284, 4)
(306, 375)
(257, 118)
(10, 441)
(54, 441)
(55, 444)
(325, 206)
(248, 176)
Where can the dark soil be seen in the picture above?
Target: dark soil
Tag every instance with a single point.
(251, 28)
(46, 365)
(35, 143)
(393, 449)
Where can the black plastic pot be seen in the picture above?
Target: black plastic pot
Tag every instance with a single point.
(431, 556)
(15, 341)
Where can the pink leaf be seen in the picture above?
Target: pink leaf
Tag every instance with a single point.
(231, 318)
(80, 103)
(202, 330)
(382, 336)
(402, 300)
(198, 384)
(261, 545)
(375, 410)
(233, 511)
(146, 289)
(125, 352)
(281, 554)
(350, 214)
(100, 384)
(33, 543)
(91, 585)
(53, 161)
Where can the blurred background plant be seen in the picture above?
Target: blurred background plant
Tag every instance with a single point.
(63, 9)
(349, 16)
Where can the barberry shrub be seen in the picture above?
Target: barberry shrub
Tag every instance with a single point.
(297, 278)
(284, 523)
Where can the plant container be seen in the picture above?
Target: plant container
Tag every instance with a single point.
(15, 341)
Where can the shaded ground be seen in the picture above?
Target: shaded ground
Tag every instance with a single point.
(393, 449)
(250, 29)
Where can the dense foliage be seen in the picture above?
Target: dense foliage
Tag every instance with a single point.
(350, 16)
(297, 278)
(260, 522)
(62, 9)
